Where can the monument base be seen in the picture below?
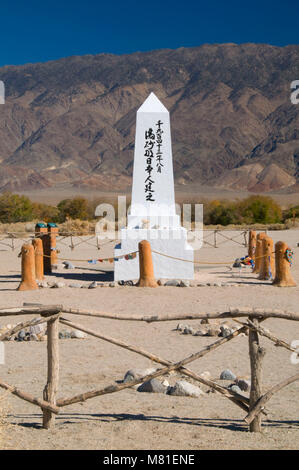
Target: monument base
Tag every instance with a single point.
(171, 242)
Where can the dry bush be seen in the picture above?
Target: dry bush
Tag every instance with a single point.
(77, 227)
(18, 228)
(291, 223)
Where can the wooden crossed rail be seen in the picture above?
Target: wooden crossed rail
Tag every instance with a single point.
(55, 314)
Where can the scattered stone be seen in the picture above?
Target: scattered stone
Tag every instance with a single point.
(226, 331)
(68, 265)
(172, 283)
(160, 282)
(134, 374)
(181, 326)
(152, 386)
(37, 329)
(58, 285)
(227, 375)
(21, 335)
(51, 283)
(188, 330)
(78, 334)
(43, 338)
(182, 388)
(93, 285)
(244, 385)
(218, 284)
(235, 388)
(33, 337)
(42, 284)
(193, 284)
(112, 284)
(165, 383)
(75, 286)
(64, 334)
(184, 284)
(201, 284)
(201, 332)
(213, 331)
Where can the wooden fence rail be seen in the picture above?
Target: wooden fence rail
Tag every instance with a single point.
(53, 315)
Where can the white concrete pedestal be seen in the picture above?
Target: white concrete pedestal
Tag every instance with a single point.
(172, 242)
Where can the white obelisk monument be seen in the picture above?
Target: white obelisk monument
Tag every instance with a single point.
(153, 216)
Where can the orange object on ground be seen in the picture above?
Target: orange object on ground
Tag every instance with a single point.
(258, 252)
(49, 246)
(267, 269)
(283, 276)
(28, 269)
(252, 244)
(39, 258)
(146, 269)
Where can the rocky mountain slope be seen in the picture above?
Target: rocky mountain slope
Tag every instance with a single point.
(71, 122)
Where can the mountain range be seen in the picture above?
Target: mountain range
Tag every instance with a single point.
(71, 122)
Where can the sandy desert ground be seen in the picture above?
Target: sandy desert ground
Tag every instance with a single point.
(133, 420)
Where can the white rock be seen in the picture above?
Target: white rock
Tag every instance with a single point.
(183, 388)
(78, 334)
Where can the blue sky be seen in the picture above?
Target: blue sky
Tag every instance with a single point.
(37, 31)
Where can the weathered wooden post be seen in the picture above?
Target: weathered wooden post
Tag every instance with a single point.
(258, 252)
(51, 388)
(283, 276)
(252, 243)
(146, 269)
(267, 268)
(256, 354)
(49, 245)
(215, 238)
(39, 258)
(28, 281)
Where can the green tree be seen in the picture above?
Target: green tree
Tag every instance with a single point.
(76, 208)
(260, 209)
(15, 208)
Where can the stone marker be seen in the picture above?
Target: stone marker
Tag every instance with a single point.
(153, 214)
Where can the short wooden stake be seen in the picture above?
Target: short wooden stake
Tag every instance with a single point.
(39, 258)
(283, 276)
(267, 268)
(252, 244)
(258, 251)
(50, 390)
(256, 354)
(49, 246)
(28, 281)
(146, 268)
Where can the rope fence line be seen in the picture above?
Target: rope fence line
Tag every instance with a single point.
(111, 259)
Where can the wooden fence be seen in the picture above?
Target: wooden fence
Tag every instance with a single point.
(212, 238)
(254, 407)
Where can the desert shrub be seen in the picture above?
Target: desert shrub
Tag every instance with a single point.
(15, 208)
(291, 213)
(252, 210)
(261, 209)
(76, 208)
(76, 226)
(45, 213)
